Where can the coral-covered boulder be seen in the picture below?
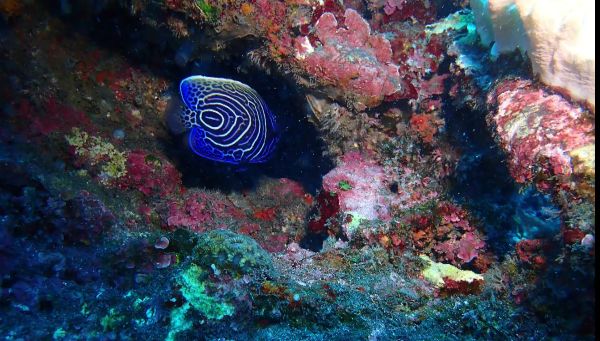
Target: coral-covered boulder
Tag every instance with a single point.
(546, 137)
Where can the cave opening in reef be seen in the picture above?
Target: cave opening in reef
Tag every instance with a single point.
(299, 153)
(508, 211)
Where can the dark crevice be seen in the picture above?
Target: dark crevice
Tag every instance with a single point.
(482, 182)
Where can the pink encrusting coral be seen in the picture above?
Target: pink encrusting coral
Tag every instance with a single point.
(461, 250)
(392, 5)
(454, 215)
(540, 131)
(193, 213)
(200, 211)
(422, 11)
(350, 57)
(362, 187)
(469, 246)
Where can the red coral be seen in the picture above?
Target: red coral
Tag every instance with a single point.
(454, 215)
(400, 10)
(469, 246)
(328, 207)
(418, 56)
(350, 57)
(266, 214)
(432, 87)
(483, 262)
(457, 242)
(392, 5)
(329, 6)
(287, 187)
(275, 243)
(530, 251)
(56, 117)
(150, 174)
(422, 231)
(194, 213)
(538, 130)
(367, 191)
(249, 229)
(447, 249)
(572, 236)
(452, 287)
(426, 126)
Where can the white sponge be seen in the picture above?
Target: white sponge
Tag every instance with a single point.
(558, 35)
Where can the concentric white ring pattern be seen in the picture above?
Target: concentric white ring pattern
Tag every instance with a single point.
(229, 121)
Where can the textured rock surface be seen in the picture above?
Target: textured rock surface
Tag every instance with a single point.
(545, 136)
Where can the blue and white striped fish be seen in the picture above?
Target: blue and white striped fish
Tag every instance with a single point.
(228, 120)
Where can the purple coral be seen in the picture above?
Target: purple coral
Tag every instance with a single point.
(469, 246)
(466, 248)
(392, 5)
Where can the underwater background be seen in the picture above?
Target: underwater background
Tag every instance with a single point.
(297, 169)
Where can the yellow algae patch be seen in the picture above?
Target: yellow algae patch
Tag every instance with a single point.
(584, 166)
(584, 160)
(436, 272)
(112, 162)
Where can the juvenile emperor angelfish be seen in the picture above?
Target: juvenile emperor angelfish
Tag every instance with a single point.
(228, 120)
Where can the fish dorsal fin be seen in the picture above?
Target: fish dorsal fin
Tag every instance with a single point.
(194, 89)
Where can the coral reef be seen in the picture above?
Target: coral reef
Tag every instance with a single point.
(95, 152)
(422, 188)
(223, 250)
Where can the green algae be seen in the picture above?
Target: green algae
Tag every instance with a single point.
(193, 290)
(344, 185)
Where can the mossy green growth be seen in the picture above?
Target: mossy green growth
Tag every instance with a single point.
(355, 222)
(457, 21)
(210, 11)
(153, 160)
(59, 334)
(193, 290)
(236, 254)
(112, 162)
(111, 320)
(179, 321)
(344, 185)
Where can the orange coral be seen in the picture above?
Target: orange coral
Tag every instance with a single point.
(426, 126)
(11, 8)
(247, 9)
